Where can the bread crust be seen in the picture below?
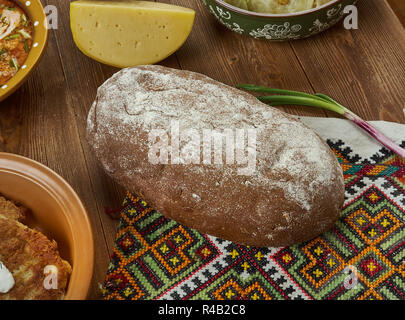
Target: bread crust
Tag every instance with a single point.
(295, 194)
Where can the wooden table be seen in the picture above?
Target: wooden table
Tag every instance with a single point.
(399, 8)
(46, 119)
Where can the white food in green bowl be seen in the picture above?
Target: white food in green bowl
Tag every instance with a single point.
(277, 6)
(288, 19)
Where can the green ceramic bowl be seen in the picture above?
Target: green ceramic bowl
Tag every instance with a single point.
(278, 27)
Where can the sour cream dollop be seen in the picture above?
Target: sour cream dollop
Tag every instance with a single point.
(6, 279)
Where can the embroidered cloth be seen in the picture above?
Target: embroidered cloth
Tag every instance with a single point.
(362, 257)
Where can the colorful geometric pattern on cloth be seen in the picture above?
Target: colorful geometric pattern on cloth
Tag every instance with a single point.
(362, 257)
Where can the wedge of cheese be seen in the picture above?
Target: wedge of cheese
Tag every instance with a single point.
(129, 33)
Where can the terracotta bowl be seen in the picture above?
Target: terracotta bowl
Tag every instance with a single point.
(278, 27)
(56, 211)
(36, 13)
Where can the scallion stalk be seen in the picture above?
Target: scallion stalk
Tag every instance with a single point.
(25, 34)
(25, 20)
(26, 48)
(14, 36)
(288, 97)
(14, 63)
(303, 101)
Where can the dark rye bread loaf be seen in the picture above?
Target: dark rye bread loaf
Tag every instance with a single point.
(295, 193)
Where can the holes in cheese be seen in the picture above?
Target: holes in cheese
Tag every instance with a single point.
(129, 33)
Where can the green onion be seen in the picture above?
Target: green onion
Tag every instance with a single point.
(26, 49)
(14, 36)
(303, 101)
(24, 19)
(25, 34)
(251, 87)
(14, 63)
(287, 97)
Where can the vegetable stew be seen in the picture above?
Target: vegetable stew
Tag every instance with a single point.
(15, 39)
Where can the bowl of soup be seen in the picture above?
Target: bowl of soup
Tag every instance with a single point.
(23, 38)
(278, 20)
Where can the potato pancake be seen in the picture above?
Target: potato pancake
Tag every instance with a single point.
(28, 254)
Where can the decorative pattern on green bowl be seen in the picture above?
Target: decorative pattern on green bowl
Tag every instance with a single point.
(278, 27)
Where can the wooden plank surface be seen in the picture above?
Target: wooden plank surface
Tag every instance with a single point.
(398, 6)
(46, 119)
